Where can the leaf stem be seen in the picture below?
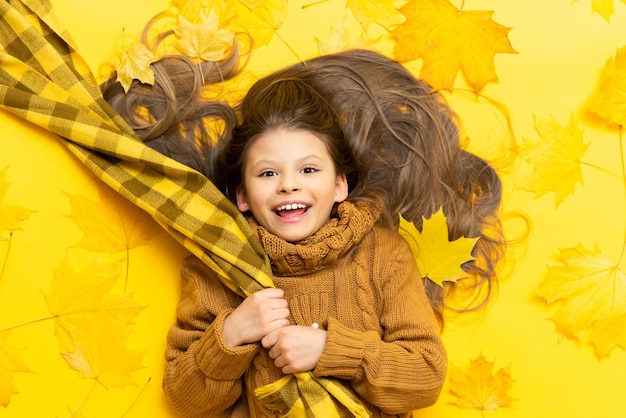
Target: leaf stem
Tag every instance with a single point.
(127, 268)
(599, 168)
(143, 389)
(84, 401)
(315, 3)
(34, 321)
(6, 255)
(621, 153)
(293, 51)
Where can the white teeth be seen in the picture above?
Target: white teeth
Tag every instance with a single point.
(291, 206)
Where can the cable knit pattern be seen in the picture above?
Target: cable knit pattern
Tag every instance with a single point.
(322, 249)
(358, 281)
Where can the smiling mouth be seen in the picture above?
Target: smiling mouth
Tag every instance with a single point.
(292, 209)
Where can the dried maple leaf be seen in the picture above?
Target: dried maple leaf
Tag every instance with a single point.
(554, 159)
(11, 216)
(590, 292)
(112, 225)
(11, 361)
(449, 40)
(609, 99)
(92, 322)
(479, 388)
(203, 40)
(134, 64)
(380, 12)
(437, 258)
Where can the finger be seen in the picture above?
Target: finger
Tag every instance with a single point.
(270, 340)
(273, 293)
(280, 313)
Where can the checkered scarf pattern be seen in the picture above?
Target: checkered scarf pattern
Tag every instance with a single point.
(45, 81)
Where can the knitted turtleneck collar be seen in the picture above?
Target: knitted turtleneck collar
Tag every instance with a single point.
(325, 247)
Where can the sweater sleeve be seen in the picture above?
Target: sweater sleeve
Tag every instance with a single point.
(400, 366)
(203, 376)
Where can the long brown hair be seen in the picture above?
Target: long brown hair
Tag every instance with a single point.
(402, 136)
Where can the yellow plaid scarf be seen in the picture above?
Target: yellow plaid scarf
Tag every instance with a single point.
(44, 80)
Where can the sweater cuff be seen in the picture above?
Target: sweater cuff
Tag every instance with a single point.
(219, 361)
(343, 352)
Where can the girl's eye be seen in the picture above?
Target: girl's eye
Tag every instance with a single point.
(267, 174)
(309, 170)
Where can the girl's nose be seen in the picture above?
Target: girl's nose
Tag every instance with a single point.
(288, 184)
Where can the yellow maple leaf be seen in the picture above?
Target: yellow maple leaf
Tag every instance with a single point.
(382, 12)
(479, 388)
(11, 216)
(112, 225)
(609, 98)
(203, 40)
(92, 322)
(191, 9)
(590, 291)
(554, 159)
(605, 8)
(339, 40)
(261, 19)
(448, 41)
(437, 258)
(99, 351)
(89, 291)
(134, 64)
(11, 361)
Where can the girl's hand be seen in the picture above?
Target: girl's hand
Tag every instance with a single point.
(259, 314)
(295, 348)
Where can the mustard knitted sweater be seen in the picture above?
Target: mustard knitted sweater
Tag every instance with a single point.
(358, 281)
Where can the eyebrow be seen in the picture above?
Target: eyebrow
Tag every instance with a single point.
(299, 160)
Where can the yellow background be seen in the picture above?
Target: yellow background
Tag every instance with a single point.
(561, 47)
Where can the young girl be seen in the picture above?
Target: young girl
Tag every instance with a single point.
(349, 302)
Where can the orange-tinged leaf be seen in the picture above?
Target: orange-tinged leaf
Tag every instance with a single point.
(448, 41)
(134, 64)
(112, 225)
(609, 99)
(203, 40)
(479, 388)
(437, 258)
(590, 291)
(382, 12)
(11, 216)
(11, 361)
(554, 159)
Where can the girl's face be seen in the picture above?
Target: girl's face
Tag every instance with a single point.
(290, 184)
